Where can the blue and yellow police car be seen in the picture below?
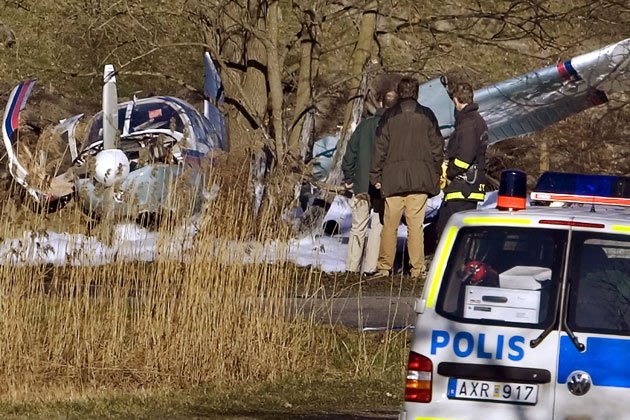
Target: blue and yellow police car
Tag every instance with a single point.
(526, 310)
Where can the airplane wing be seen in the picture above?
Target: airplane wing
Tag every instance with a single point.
(538, 99)
(523, 104)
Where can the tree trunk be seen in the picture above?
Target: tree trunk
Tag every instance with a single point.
(354, 107)
(544, 155)
(358, 85)
(304, 95)
(245, 84)
(306, 136)
(275, 79)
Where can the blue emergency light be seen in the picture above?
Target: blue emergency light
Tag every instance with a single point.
(512, 190)
(581, 188)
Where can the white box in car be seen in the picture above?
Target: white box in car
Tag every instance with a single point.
(510, 305)
(524, 277)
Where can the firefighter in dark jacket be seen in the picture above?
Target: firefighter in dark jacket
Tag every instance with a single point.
(466, 154)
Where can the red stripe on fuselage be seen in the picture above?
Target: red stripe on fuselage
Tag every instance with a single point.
(563, 71)
(15, 118)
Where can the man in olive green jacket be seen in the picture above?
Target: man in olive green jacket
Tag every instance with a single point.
(356, 168)
(406, 167)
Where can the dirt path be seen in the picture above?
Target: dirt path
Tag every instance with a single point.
(366, 313)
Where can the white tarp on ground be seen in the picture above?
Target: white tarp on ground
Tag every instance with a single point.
(130, 242)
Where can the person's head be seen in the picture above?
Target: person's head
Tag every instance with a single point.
(390, 99)
(462, 95)
(408, 88)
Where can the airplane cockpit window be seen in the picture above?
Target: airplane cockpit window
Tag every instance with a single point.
(155, 116)
(145, 136)
(154, 126)
(203, 130)
(95, 132)
(502, 276)
(600, 284)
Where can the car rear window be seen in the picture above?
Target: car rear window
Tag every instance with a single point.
(503, 276)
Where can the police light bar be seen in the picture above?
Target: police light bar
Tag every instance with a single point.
(585, 189)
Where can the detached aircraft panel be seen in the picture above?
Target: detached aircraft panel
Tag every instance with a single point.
(433, 94)
(10, 123)
(213, 91)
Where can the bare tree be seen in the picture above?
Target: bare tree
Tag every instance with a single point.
(293, 69)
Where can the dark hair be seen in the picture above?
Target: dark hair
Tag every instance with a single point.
(390, 99)
(463, 92)
(408, 88)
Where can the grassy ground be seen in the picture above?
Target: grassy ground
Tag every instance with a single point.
(321, 398)
(364, 380)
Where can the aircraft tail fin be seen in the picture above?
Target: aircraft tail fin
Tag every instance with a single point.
(213, 92)
(10, 123)
(60, 187)
(110, 107)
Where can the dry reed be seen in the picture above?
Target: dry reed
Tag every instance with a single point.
(206, 310)
(210, 312)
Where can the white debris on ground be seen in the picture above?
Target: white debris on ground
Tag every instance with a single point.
(131, 242)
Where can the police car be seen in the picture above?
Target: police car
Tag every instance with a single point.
(526, 309)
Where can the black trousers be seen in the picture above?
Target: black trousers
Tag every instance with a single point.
(448, 209)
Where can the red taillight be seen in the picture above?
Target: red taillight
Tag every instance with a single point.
(572, 223)
(419, 378)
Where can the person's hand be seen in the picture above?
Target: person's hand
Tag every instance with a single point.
(443, 179)
(348, 185)
(377, 185)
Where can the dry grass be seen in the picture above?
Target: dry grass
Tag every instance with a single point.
(211, 313)
(202, 316)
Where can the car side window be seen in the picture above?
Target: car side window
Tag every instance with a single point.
(501, 275)
(600, 284)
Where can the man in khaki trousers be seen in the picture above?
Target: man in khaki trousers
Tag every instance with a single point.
(406, 167)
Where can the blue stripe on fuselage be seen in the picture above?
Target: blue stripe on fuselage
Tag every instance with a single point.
(605, 359)
(571, 70)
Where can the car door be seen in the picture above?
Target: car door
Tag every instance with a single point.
(593, 369)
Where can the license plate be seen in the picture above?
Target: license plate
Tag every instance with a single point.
(495, 391)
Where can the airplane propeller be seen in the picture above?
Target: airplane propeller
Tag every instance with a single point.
(112, 164)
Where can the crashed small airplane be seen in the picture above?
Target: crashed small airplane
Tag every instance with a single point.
(526, 103)
(132, 156)
(135, 152)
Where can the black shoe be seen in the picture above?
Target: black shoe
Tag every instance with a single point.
(377, 275)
